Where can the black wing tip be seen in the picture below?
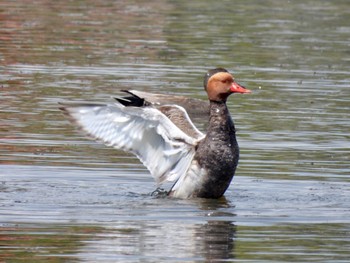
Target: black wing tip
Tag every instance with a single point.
(132, 100)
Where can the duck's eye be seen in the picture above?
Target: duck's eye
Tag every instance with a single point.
(226, 81)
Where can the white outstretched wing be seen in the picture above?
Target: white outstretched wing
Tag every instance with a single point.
(162, 147)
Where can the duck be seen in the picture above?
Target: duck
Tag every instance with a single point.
(157, 129)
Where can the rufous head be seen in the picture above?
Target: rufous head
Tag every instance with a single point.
(219, 84)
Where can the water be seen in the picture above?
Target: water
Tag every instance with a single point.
(64, 198)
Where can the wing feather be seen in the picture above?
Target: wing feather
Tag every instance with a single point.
(161, 146)
(180, 118)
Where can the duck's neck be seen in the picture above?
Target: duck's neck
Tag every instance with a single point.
(218, 108)
(220, 118)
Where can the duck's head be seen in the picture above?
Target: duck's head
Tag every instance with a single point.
(219, 84)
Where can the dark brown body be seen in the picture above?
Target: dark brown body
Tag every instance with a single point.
(218, 152)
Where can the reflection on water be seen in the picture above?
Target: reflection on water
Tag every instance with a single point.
(65, 198)
(115, 216)
(196, 239)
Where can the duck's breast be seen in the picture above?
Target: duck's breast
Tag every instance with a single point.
(191, 183)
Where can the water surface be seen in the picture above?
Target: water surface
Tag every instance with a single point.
(66, 198)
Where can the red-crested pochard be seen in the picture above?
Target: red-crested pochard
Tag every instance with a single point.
(159, 131)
